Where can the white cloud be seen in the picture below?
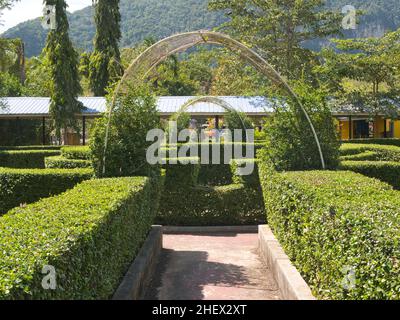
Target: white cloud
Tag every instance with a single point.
(31, 9)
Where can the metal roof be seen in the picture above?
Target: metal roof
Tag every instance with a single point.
(33, 106)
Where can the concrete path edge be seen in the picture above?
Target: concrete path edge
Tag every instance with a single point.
(140, 272)
(216, 229)
(289, 280)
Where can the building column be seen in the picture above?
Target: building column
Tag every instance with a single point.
(350, 128)
(44, 130)
(84, 130)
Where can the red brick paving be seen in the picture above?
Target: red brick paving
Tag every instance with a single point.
(212, 267)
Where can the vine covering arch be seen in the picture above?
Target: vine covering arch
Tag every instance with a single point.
(160, 51)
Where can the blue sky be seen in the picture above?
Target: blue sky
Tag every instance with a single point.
(30, 9)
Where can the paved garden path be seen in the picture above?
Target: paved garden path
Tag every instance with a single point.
(212, 266)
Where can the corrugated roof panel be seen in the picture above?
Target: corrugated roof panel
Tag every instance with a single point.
(166, 105)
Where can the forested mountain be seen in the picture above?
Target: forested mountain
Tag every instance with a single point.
(140, 19)
(155, 18)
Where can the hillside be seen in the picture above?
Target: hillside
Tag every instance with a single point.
(140, 19)
(155, 18)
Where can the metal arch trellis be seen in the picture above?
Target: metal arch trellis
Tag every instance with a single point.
(157, 53)
(217, 101)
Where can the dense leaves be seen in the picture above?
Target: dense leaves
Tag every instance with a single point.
(334, 223)
(22, 186)
(90, 234)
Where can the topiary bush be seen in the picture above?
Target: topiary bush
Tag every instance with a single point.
(30, 159)
(90, 235)
(21, 186)
(182, 172)
(329, 222)
(211, 206)
(383, 153)
(290, 141)
(76, 152)
(383, 170)
(251, 180)
(28, 148)
(381, 141)
(135, 113)
(59, 162)
(363, 156)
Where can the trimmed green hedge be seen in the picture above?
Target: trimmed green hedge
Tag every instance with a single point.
(364, 156)
(76, 153)
(20, 186)
(328, 222)
(29, 159)
(383, 170)
(205, 206)
(381, 141)
(384, 153)
(60, 162)
(90, 235)
(185, 172)
(248, 180)
(28, 148)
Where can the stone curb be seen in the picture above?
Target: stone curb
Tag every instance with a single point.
(289, 280)
(140, 272)
(222, 229)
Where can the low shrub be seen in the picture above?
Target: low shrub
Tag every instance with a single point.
(30, 159)
(248, 180)
(384, 153)
(182, 172)
(90, 235)
(364, 156)
(383, 170)
(205, 206)
(215, 174)
(329, 222)
(21, 186)
(76, 153)
(381, 141)
(28, 148)
(60, 162)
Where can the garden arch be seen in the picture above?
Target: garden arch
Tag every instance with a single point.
(157, 53)
(214, 100)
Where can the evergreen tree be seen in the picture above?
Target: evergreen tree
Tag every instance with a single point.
(62, 61)
(106, 60)
(280, 28)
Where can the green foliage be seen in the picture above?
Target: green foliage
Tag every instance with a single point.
(363, 156)
(134, 115)
(105, 62)
(280, 28)
(327, 221)
(211, 206)
(90, 235)
(251, 180)
(10, 85)
(370, 61)
(63, 65)
(383, 153)
(383, 141)
(383, 170)
(76, 153)
(58, 162)
(290, 141)
(22, 186)
(181, 172)
(30, 159)
(141, 19)
(28, 148)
